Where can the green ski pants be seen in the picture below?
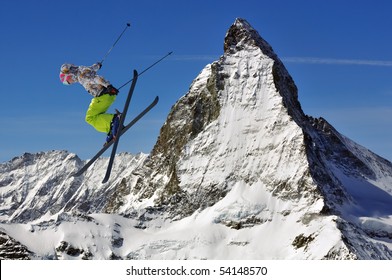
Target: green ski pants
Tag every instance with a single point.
(96, 113)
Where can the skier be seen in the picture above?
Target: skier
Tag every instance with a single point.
(104, 94)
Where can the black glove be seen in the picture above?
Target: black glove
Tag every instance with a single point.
(99, 65)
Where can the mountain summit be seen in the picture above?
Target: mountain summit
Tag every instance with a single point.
(238, 172)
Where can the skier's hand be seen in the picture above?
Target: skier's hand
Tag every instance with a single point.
(99, 65)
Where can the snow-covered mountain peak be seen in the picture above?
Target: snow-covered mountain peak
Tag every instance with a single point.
(242, 38)
(242, 34)
(240, 132)
(238, 110)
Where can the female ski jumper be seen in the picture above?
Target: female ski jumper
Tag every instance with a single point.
(104, 94)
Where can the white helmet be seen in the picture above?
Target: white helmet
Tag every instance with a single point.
(66, 67)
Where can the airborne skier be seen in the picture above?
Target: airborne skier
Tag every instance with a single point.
(103, 92)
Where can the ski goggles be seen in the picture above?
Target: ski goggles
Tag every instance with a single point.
(65, 78)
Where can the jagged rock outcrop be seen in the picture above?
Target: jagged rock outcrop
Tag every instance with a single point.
(10, 249)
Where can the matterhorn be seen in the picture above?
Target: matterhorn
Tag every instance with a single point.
(238, 172)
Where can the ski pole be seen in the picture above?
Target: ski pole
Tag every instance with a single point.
(152, 65)
(128, 25)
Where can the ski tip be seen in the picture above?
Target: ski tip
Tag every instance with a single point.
(74, 174)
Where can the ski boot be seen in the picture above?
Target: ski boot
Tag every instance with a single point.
(114, 126)
(111, 90)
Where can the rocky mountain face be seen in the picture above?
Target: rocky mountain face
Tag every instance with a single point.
(238, 171)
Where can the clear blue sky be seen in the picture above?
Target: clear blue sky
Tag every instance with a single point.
(338, 52)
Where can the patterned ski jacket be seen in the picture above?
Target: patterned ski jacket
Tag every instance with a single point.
(87, 77)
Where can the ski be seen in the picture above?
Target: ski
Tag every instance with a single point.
(122, 118)
(107, 146)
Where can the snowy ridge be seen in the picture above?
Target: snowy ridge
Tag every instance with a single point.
(238, 172)
(37, 185)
